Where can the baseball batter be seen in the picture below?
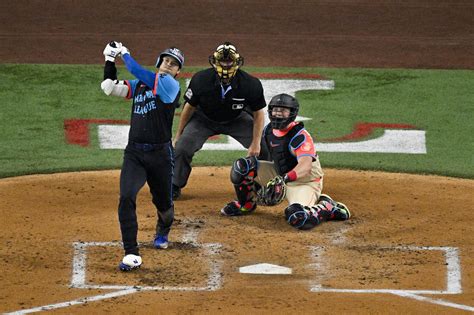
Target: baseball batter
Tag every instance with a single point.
(295, 173)
(220, 100)
(148, 156)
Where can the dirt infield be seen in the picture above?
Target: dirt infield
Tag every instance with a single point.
(408, 249)
(44, 216)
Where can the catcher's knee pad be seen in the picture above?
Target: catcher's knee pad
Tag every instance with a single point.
(300, 217)
(244, 170)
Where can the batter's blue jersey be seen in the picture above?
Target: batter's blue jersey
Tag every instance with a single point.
(163, 85)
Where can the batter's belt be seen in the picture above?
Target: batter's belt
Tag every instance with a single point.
(148, 147)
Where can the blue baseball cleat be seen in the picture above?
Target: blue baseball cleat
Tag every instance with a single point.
(161, 242)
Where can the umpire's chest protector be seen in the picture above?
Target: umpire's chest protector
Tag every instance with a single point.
(279, 148)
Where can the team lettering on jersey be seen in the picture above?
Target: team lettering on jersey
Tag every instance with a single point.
(144, 103)
(139, 98)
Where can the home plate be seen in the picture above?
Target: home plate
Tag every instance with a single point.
(267, 269)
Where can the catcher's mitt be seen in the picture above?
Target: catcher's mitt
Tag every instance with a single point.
(273, 193)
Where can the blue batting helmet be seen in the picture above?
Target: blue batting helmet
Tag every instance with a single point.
(173, 52)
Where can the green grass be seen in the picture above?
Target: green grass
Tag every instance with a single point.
(36, 99)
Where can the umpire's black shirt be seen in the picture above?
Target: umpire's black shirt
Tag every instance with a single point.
(206, 93)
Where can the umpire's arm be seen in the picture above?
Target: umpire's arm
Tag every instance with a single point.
(186, 113)
(258, 123)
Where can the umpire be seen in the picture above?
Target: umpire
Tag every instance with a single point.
(219, 100)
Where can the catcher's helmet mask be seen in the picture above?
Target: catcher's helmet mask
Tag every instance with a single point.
(226, 61)
(174, 52)
(284, 101)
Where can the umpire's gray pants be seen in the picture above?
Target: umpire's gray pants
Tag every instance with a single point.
(198, 130)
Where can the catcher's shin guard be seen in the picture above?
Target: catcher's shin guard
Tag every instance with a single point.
(244, 169)
(243, 173)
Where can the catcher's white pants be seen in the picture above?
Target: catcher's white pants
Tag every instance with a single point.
(305, 190)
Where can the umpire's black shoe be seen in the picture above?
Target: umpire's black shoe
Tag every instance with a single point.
(176, 192)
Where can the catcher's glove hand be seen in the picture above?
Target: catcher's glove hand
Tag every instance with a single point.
(273, 193)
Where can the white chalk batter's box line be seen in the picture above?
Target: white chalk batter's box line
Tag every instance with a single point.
(453, 277)
(79, 266)
(214, 281)
(453, 272)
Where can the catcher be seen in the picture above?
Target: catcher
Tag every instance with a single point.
(294, 174)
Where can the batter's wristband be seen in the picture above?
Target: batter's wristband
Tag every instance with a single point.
(290, 176)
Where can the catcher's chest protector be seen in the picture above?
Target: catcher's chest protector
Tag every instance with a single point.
(280, 148)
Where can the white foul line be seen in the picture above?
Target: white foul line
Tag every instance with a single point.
(77, 302)
(434, 301)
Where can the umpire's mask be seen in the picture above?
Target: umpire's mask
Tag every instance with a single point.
(226, 61)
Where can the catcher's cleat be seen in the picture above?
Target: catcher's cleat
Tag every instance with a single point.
(130, 262)
(161, 242)
(339, 211)
(233, 209)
